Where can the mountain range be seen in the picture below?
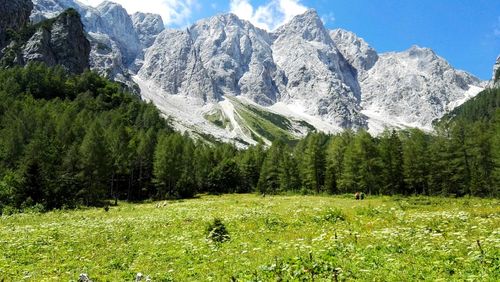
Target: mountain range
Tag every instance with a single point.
(224, 77)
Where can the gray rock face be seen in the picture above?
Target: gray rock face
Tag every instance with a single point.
(117, 24)
(224, 55)
(14, 14)
(317, 74)
(219, 56)
(147, 26)
(357, 52)
(415, 86)
(64, 43)
(116, 43)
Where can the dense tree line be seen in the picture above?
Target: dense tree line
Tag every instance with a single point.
(480, 108)
(68, 140)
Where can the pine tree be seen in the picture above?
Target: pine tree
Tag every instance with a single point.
(391, 154)
(95, 164)
(335, 160)
(289, 172)
(269, 179)
(416, 162)
(313, 163)
(167, 171)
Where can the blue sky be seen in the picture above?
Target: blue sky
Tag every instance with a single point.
(464, 32)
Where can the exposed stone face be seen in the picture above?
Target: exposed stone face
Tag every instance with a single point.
(224, 55)
(69, 44)
(357, 52)
(60, 41)
(219, 56)
(147, 26)
(416, 86)
(14, 14)
(117, 39)
(318, 76)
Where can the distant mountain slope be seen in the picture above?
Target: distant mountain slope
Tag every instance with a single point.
(482, 107)
(117, 39)
(331, 80)
(58, 41)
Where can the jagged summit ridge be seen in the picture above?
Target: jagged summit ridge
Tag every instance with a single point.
(225, 56)
(333, 79)
(415, 87)
(222, 55)
(355, 49)
(117, 39)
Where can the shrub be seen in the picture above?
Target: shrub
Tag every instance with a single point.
(332, 215)
(216, 231)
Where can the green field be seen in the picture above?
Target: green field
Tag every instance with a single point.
(273, 238)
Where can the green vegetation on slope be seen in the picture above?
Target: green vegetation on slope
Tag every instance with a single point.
(282, 238)
(20, 37)
(483, 107)
(217, 118)
(71, 140)
(271, 126)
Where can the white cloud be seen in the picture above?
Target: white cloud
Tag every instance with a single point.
(496, 31)
(328, 18)
(173, 12)
(270, 15)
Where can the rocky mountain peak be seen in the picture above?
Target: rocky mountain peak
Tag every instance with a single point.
(59, 41)
(355, 49)
(14, 14)
(418, 52)
(147, 26)
(308, 26)
(118, 24)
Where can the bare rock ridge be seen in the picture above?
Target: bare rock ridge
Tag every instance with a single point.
(496, 73)
(58, 41)
(355, 49)
(117, 39)
(301, 70)
(219, 56)
(226, 56)
(317, 75)
(64, 43)
(14, 14)
(415, 87)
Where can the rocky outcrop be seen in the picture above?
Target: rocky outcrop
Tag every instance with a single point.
(226, 56)
(59, 41)
(496, 73)
(14, 15)
(117, 24)
(117, 39)
(318, 76)
(415, 87)
(219, 56)
(147, 26)
(357, 52)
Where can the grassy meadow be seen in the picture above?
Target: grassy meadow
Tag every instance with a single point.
(272, 238)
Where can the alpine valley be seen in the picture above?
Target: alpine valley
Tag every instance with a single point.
(226, 78)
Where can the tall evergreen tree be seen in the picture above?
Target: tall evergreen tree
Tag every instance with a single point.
(95, 164)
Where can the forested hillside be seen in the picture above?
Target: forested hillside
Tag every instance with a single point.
(68, 140)
(483, 107)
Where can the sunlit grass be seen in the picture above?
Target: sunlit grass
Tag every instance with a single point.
(287, 237)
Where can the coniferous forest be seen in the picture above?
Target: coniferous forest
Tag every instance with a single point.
(71, 140)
